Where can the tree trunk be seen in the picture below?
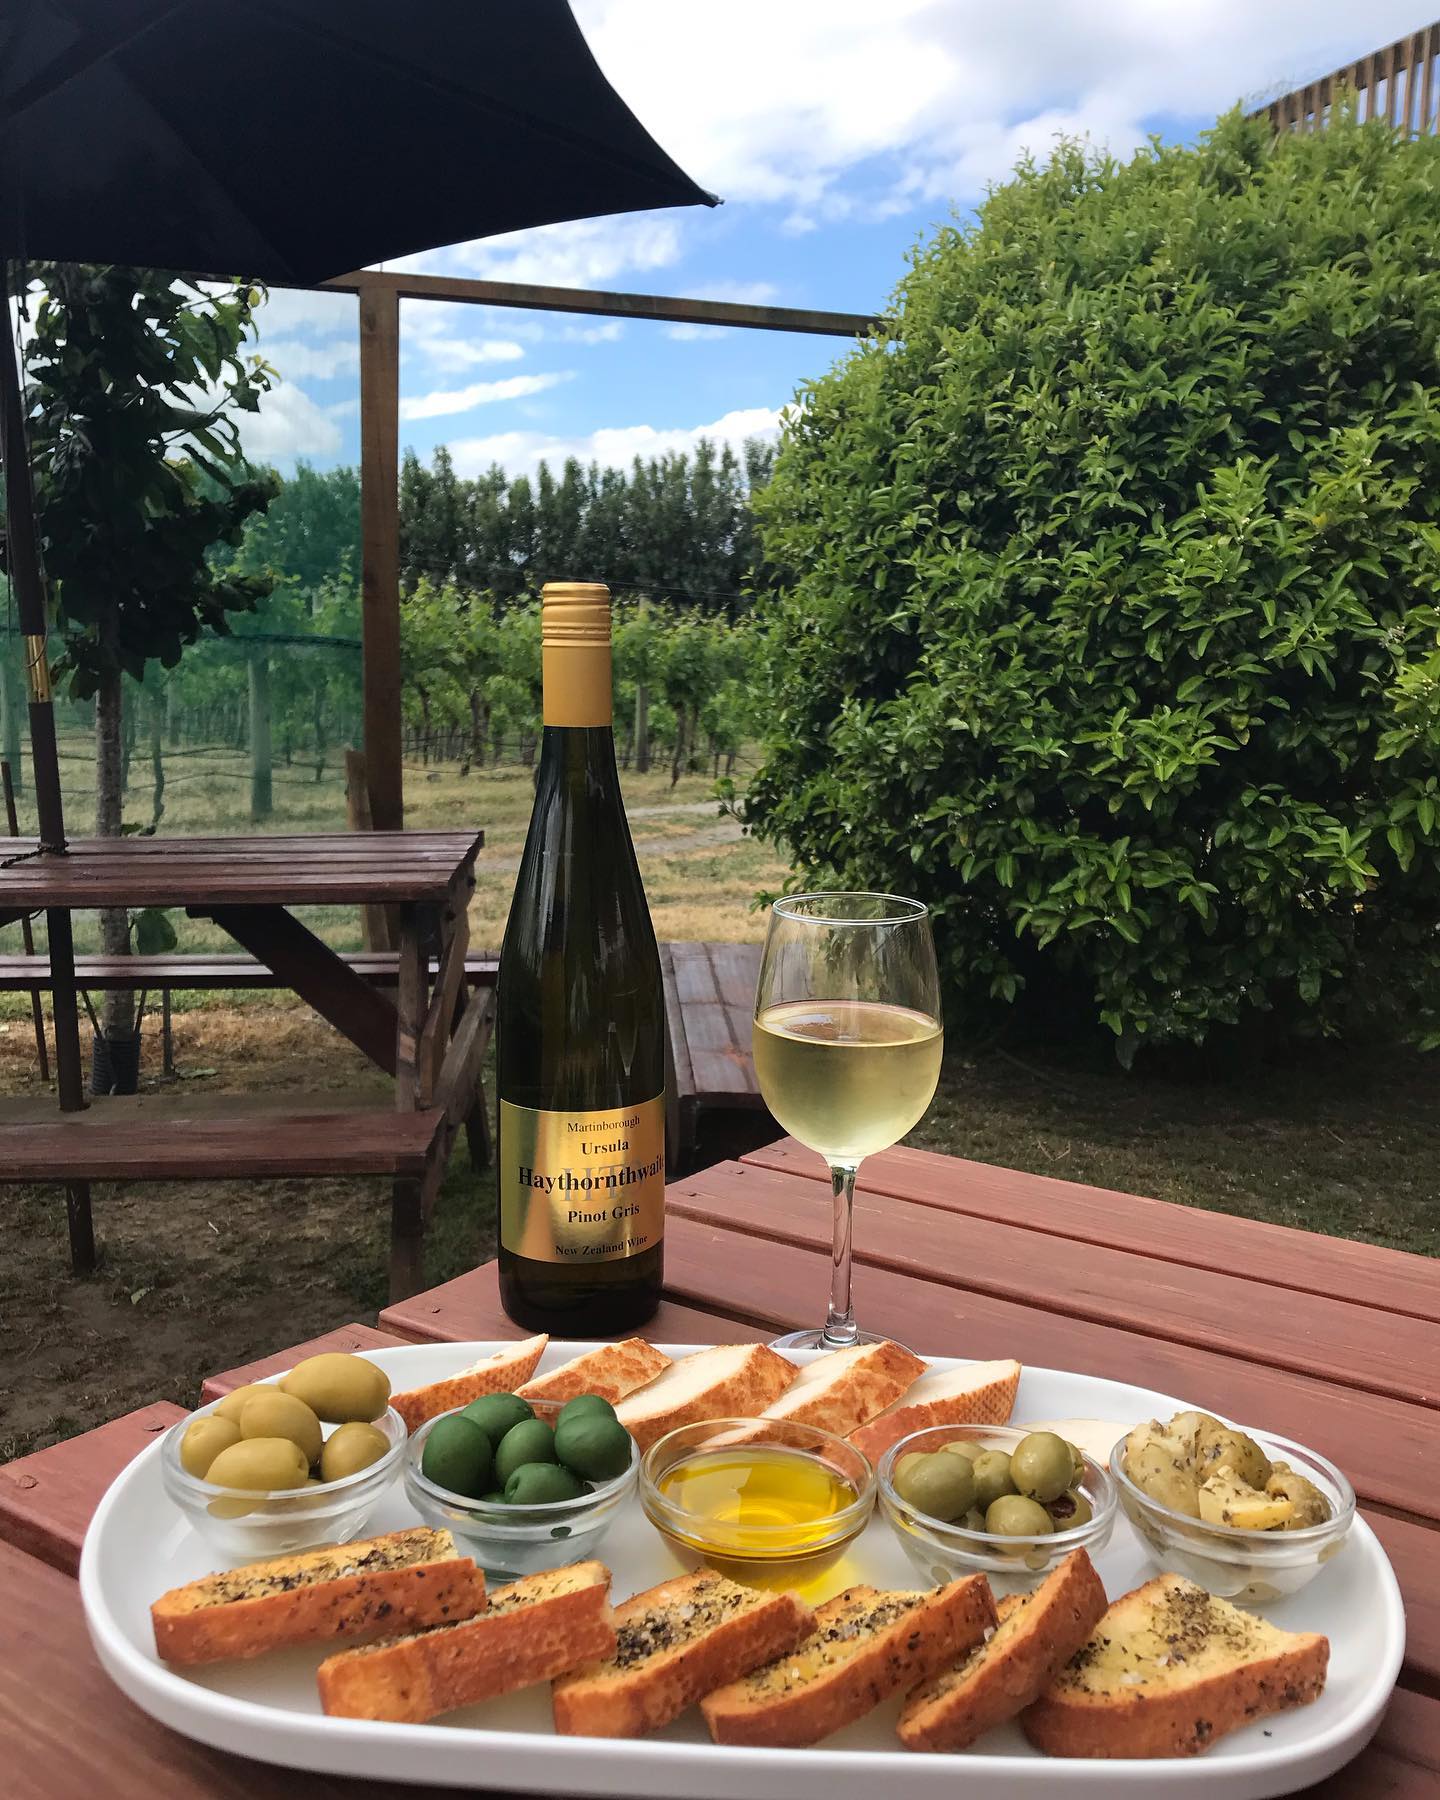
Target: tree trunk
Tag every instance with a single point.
(127, 745)
(172, 719)
(677, 762)
(318, 706)
(261, 799)
(118, 1014)
(10, 709)
(642, 728)
(157, 762)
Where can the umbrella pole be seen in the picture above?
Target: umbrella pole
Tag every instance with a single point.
(23, 557)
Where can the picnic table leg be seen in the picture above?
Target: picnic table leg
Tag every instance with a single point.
(81, 1223)
(407, 1238)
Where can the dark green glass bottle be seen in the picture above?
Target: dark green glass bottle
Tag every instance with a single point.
(580, 1034)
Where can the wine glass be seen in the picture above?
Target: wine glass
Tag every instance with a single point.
(847, 1044)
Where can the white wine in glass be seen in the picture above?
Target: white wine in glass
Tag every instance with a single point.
(848, 1040)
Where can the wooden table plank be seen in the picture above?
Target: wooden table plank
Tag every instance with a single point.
(46, 1499)
(468, 1309)
(348, 1339)
(1354, 1345)
(1392, 1447)
(68, 1730)
(1390, 1279)
(1414, 1552)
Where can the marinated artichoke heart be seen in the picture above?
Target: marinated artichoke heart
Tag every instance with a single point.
(1159, 1463)
(1308, 1505)
(1220, 1446)
(1227, 1500)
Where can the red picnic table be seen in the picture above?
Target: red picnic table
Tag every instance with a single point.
(1333, 1343)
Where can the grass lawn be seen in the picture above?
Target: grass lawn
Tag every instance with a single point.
(204, 1276)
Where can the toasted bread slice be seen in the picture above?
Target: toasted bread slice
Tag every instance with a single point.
(612, 1372)
(360, 1590)
(865, 1645)
(674, 1644)
(501, 1373)
(728, 1381)
(533, 1630)
(1167, 1671)
(1037, 1634)
(973, 1394)
(839, 1392)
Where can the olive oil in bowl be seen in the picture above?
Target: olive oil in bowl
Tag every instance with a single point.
(767, 1502)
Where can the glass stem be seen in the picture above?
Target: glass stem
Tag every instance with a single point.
(840, 1321)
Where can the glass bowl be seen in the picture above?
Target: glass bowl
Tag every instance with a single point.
(242, 1526)
(511, 1541)
(941, 1552)
(785, 1468)
(1247, 1567)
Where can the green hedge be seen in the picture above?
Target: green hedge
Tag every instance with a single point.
(1109, 576)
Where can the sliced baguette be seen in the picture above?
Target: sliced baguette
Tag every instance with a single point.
(674, 1644)
(865, 1645)
(612, 1371)
(407, 1578)
(728, 1381)
(501, 1373)
(1037, 1634)
(1167, 1671)
(973, 1394)
(839, 1392)
(532, 1631)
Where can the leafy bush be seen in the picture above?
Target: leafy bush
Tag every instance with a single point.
(1108, 577)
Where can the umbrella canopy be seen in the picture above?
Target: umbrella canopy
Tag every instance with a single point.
(292, 140)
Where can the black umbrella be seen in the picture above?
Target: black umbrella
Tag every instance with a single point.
(289, 140)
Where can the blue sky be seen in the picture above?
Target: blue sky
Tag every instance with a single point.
(838, 132)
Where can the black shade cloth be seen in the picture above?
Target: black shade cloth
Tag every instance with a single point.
(293, 140)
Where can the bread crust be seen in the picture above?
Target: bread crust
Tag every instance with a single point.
(427, 1583)
(760, 1376)
(802, 1698)
(989, 1402)
(612, 1371)
(519, 1642)
(1188, 1715)
(498, 1374)
(972, 1697)
(863, 1383)
(612, 1700)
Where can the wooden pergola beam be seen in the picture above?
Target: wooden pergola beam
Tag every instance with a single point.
(1412, 56)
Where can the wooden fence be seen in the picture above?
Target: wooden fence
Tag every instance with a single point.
(1397, 83)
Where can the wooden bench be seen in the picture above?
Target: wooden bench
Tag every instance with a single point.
(709, 1013)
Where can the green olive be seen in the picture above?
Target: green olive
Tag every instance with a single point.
(273, 1414)
(496, 1413)
(203, 1441)
(992, 1477)
(339, 1388)
(540, 1483)
(531, 1441)
(457, 1456)
(966, 1447)
(911, 1460)
(229, 1407)
(594, 1444)
(351, 1448)
(1077, 1463)
(1070, 1510)
(1012, 1515)
(1040, 1466)
(584, 1403)
(941, 1487)
(260, 1464)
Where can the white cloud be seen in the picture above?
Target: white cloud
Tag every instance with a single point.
(612, 446)
(480, 393)
(608, 333)
(582, 253)
(312, 362)
(297, 310)
(288, 424)
(447, 352)
(689, 334)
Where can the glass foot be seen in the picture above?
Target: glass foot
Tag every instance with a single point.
(817, 1340)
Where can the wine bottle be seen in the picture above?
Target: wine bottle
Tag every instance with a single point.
(580, 1045)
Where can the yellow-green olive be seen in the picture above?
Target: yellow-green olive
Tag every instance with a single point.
(1012, 1515)
(261, 1465)
(229, 1407)
(966, 1447)
(203, 1441)
(992, 1477)
(271, 1414)
(350, 1448)
(1040, 1466)
(339, 1388)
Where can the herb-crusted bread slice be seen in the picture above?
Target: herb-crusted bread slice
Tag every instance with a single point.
(501, 1373)
(1167, 1671)
(1037, 1634)
(865, 1646)
(612, 1372)
(359, 1590)
(533, 1630)
(839, 1392)
(728, 1381)
(674, 1643)
(969, 1394)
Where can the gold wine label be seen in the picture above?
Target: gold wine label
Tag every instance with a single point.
(582, 1187)
(575, 652)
